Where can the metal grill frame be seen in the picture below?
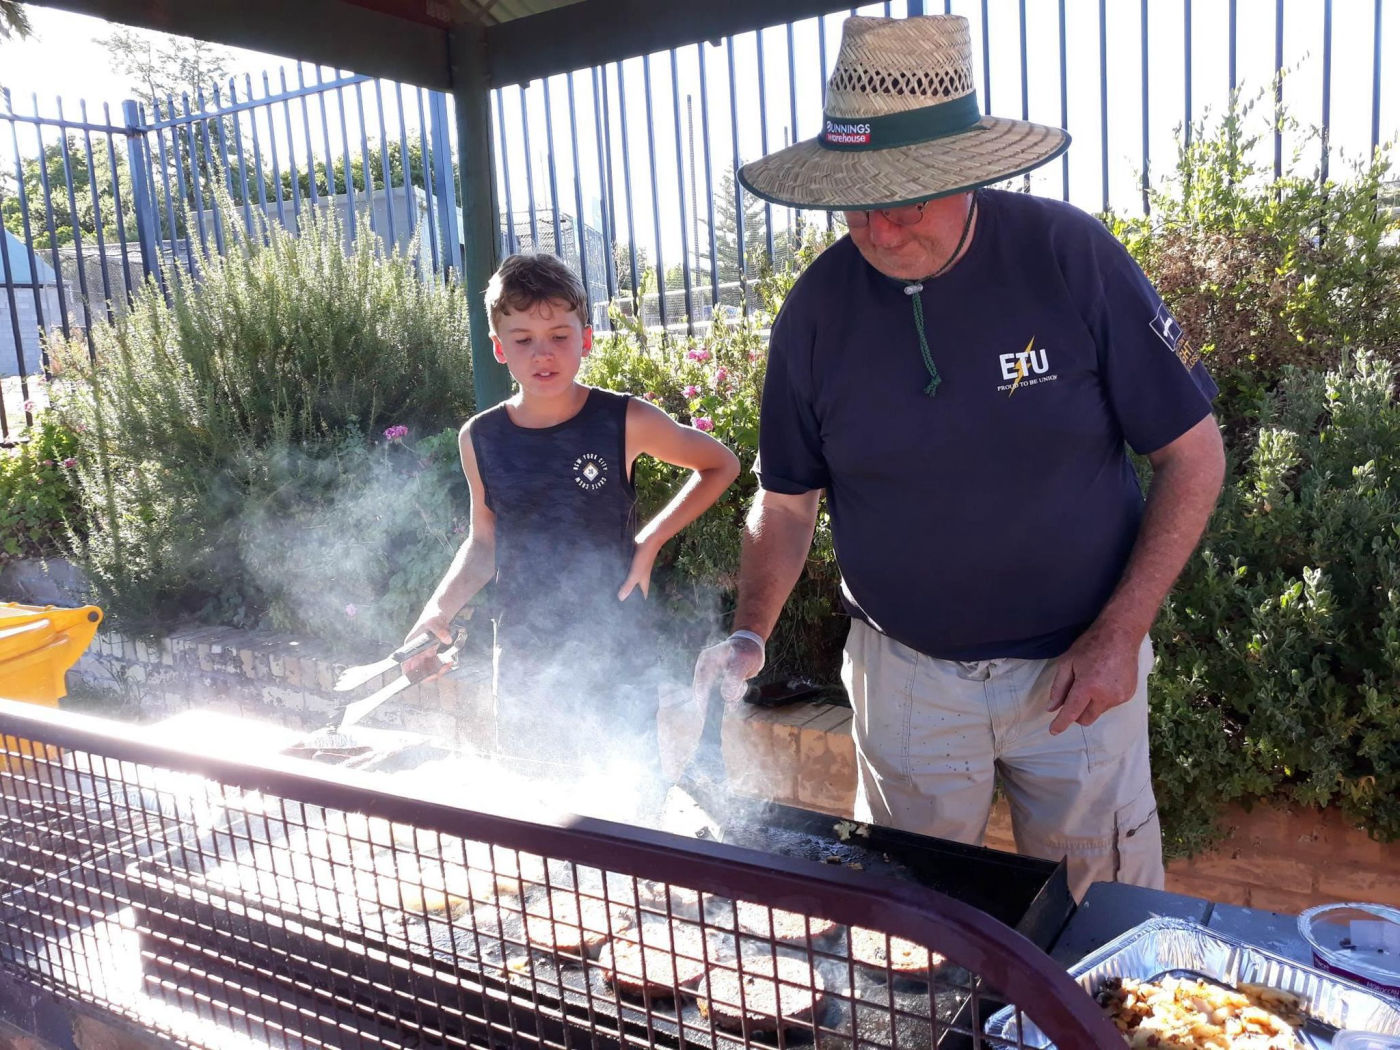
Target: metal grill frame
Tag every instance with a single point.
(1005, 965)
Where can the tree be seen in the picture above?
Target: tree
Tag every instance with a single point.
(727, 231)
(14, 22)
(81, 220)
(160, 67)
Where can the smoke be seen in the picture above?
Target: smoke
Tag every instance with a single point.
(593, 708)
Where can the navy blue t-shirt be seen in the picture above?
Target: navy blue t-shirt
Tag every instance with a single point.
(994, 519)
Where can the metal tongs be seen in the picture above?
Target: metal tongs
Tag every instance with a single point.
(334, 736)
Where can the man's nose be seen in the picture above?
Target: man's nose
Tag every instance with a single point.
(884, 233)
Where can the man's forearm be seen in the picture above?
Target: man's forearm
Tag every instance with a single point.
(777, 538)
(1180, 499)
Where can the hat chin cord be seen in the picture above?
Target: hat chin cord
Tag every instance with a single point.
(915, 288)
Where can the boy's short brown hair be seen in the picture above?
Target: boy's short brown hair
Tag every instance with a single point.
(526, 280)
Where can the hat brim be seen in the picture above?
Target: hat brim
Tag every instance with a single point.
(808, 175)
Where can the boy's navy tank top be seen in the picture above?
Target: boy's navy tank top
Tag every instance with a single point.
(566, 517)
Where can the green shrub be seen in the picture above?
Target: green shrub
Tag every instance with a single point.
(37, 496)
(1264, 273)
(228, 417)
(1279, 649)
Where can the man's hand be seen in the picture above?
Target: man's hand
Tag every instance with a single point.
(731, 663)
(1099, 671)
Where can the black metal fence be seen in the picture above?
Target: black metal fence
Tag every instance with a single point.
(627, 170)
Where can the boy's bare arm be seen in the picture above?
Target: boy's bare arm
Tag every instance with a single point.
(652, 432)
(475, 562)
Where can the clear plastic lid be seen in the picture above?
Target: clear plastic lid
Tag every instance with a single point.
(1365, 1041)
(1361, 938)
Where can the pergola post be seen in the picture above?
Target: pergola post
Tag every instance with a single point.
(471, 94)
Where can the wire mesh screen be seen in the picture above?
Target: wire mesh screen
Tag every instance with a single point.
(227, 904)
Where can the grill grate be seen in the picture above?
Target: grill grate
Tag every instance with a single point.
(224, 903)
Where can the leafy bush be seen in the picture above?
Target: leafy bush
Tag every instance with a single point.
(37, 496)
(230, 416)
(1264, 273)
(1279, 669)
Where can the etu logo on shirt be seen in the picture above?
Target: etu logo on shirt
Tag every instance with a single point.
(1028, 368)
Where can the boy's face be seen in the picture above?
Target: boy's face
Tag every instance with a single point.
(543, 346)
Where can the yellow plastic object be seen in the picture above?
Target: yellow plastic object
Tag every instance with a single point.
(38, 643)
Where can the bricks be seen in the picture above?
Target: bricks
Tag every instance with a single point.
(826, 774)
(1224, 892)
(1347, 883)
(1282, 872)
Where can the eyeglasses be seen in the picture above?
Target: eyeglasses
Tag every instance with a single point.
(908, 215)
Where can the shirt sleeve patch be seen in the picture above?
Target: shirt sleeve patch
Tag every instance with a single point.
(1170, 332)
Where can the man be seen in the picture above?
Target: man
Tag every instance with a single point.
(963, 376)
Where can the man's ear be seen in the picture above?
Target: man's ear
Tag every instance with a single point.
(499, 350)
(587, 339)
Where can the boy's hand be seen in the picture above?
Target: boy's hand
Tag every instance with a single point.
(426, 665)
(640, 574)
(730, 663)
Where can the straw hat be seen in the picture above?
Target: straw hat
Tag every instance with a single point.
(902, 125)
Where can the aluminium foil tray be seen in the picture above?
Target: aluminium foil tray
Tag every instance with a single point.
(1159, 945)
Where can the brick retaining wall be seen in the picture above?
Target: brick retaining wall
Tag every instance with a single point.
(1273, 858)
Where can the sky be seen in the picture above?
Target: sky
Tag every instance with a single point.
(64, 60)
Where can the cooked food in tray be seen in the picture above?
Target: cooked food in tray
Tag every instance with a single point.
(1190, 1013)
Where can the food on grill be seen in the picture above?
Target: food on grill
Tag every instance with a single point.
(653, 897)
(753, 1001)
(428, 886)
(655, 960)
(882, 952)
(511, 871)
(789, 927)
(1183, 1013)
(570, 924)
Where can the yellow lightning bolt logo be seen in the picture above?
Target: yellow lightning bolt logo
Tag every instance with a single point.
(1021, 366)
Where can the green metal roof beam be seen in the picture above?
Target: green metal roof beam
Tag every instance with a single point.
(594, 32)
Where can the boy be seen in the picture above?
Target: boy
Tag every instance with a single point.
(554, 524)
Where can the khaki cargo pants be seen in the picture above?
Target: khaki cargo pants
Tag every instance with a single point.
(932, 736)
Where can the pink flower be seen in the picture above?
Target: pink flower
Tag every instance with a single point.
(649, 395)
(395, 433)
(351, 610)
(46, 462)
(721, 375)
(753, 355)
(70, 463)
(29, 407)
(698, 355)
(704, 423)
(691, 391)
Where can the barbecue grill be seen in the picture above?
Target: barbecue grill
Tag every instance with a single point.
(300, 906)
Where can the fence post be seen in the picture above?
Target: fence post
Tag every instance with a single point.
(142, 196)
(442, 187)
